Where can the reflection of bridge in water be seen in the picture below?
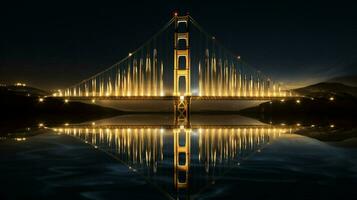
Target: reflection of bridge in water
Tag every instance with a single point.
(193, 156)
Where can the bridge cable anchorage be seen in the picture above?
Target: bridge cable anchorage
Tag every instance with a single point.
(200, 67)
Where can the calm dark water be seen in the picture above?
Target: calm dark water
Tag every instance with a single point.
(148, 157)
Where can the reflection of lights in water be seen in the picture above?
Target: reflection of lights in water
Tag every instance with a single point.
(19, 139)
(144, 147)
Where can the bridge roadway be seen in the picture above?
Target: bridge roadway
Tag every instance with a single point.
(165, 126)
(265, 98)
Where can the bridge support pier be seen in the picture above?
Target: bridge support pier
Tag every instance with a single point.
(182, 111)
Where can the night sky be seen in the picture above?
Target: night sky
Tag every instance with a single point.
(54, 45)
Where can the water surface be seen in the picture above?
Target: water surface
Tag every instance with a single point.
(149, 157)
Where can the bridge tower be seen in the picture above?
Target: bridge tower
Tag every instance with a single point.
(180, 53)
(182, 70)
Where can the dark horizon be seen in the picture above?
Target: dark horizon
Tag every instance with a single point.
(56, 45)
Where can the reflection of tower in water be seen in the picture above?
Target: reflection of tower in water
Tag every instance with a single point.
(193, 155)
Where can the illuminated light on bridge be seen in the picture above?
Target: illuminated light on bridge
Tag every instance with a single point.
(191, 59)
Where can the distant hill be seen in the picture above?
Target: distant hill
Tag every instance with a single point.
(327, 89)
(25, 90)
(346, 80)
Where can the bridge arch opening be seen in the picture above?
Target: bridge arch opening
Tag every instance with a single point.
(181, 26)
(182, 85)
(181, 44)
(182, 62)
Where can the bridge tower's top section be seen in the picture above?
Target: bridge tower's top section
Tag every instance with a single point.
(182, 56)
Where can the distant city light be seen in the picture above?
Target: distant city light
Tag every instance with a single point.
(20, 84)
(66, 100)
(40, 99)
(332, 126)
(298, 101)
(20, 139)
(332, 98)
(93, 100)
(40, 125)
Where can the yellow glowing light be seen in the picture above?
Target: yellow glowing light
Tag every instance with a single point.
(332, 126)
(130, 54)
(312, 125)
(93, 123)
(298, 101)
(66, 124)
(332, 98)
(282, 124)
(40, 99)
(66, 100)
(20, 139)
(54, 94)
(182, 98)
(40, 125)
(282, 100)
(298, 124)
(93, 100)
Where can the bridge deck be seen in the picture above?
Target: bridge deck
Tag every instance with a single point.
(176, 97)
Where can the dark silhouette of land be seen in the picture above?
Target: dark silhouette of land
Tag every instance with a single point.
(22, 108)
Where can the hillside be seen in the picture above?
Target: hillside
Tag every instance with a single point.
(327, 89)
(346, 80)
(25, 90)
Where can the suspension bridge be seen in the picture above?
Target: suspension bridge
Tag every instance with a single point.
(181, 62)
